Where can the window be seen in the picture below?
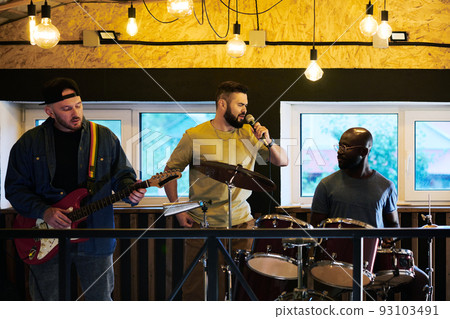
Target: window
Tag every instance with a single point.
(114, 125)
(411, 146)
(321, 131)
(432, 155)
(427, 139)
(160, 134)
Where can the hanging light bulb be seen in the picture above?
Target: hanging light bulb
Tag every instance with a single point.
(369, 25)
(384, 29)
(31, 21)
(235, 46)
(313, 72)
(180, 8)
(132, 27)
(46, 34)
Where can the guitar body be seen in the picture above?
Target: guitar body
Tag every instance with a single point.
(36, 251)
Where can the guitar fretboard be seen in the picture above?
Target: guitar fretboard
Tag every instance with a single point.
(158, 180)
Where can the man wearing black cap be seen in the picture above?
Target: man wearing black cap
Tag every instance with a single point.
(52, 160)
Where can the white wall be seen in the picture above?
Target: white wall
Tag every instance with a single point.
(10, 131)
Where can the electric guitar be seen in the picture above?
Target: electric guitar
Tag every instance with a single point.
(36, 251)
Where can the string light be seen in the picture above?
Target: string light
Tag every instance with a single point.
(368, 25)
(46, 34)
(314, 72)
(31, 21)
(384, 29)
(132, 27)
(236, 46)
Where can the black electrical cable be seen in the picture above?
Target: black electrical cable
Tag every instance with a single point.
(257, 16)
(251, 13)
(155, 17)
(209, 22)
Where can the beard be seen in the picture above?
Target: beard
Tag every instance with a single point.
(67, 125)
(233, 120)
(346, 163)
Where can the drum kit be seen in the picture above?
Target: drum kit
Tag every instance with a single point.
(277, 269)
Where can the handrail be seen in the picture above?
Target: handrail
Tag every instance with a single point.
(357, 234)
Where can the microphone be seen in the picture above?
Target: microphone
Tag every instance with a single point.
(251, 120)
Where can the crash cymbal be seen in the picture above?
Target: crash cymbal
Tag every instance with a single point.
(237, 175)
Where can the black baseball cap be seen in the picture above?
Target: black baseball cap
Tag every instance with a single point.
(52, 90)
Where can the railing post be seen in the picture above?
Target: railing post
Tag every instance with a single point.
(64, 268)
(357, 268)
(213, 289)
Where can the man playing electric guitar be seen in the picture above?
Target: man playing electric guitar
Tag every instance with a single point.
(50, 161)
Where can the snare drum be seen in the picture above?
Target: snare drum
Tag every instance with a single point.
(333, 259)
(393, 267)
(269, 256)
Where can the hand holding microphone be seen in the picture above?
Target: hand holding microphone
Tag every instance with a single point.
(261, 132)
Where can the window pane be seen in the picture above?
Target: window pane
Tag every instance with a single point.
(319, 132)
(432, 149)
(160, 134)
(113, 125)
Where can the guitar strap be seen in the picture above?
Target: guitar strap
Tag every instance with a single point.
(92, 157)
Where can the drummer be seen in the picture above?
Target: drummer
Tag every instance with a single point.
(224, 139)
(358, 192)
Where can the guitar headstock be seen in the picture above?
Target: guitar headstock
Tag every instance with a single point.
(160, 179)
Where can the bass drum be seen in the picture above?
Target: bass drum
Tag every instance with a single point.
(304, 295)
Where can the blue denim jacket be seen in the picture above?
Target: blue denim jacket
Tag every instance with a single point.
(31, 168)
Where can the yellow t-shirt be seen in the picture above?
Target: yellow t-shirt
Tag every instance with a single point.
(204, 142)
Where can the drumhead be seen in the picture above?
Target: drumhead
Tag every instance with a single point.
(273, 265)
(345, 221)
(338, 274)
(285, 218)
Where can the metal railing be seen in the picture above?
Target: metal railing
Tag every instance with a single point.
(213, 244)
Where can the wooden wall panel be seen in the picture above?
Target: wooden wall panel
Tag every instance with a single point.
(291, 20)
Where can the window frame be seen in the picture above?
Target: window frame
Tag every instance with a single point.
(290, 134)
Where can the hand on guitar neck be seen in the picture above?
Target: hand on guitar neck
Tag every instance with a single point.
(138, 194)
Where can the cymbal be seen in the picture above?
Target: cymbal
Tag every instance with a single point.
(237, 175)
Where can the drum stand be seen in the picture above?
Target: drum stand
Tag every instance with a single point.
(230, 246)
(300, 293)
(429, 288)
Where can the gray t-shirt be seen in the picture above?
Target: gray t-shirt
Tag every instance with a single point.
(366, 200)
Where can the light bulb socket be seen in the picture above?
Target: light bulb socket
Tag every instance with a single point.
(131, 12)
(384, 15)
(236, 28)
(313, 54)
(369, 8)
(31, 9)
(45, 10)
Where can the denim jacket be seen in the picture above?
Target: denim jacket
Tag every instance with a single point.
(31, 168)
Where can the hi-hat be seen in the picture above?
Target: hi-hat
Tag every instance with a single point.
(236, 175)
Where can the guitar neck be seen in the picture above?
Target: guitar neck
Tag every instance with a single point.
(157, 180)
(104, 202)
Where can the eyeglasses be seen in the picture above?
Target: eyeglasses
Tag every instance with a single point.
(342, 148)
